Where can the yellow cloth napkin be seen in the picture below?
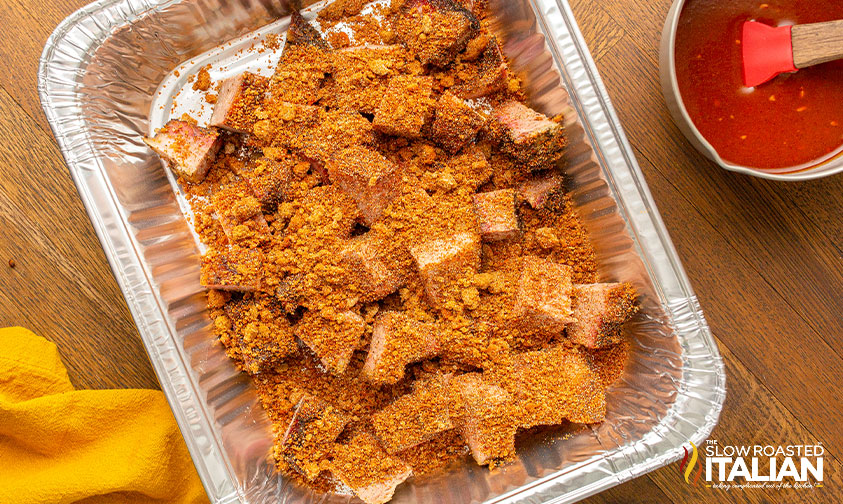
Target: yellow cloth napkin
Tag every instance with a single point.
(61, 445)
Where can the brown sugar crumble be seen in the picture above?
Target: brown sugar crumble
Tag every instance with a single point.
(203, 79)
(391, 253)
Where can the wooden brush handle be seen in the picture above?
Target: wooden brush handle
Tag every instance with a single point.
(817, 43)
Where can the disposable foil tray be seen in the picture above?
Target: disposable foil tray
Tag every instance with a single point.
(110, 74)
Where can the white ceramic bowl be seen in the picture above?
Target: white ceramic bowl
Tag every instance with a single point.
(670, 89)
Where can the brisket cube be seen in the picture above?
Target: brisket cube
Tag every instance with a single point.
(530, 137)
(325, 209)
(456, 123)
(369, 178)
(262, 336)
(232, 269)
(555, 385)
(486, 418)
(288, 124)
(187, 149)
(338, 130)
(405, 107)
(371, 267)
(290, 292)
(268, 179)
(361, 76)
(436, 30)
(497, 214)
(442, 263)
(240, 214)
(415, 418)
(538, 189)
(332, 336)
(471, 167)
(543, 298)
(302, 33)
(304, 64)
(370, 472)
(237, 101)
(310, 436)
(492, 74)
(398, 340)
(600, 310)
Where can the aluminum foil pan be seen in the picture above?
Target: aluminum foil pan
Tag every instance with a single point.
(110, 73)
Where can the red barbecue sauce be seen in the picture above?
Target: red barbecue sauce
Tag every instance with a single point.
(794, 120)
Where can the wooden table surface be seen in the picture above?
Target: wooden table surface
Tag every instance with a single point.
(765, 258)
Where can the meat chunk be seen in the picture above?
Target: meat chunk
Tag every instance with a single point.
(530, 137)
(268, 179)
(436, 30)
(543, 299)
(538, 189)
(600, 310)
(261, 336)
(405, 107)
(187, 149)
(310, 436)
(371, 267)
(370, 472)
(290, 126)
(324, 213)
(302, 33)
(486, 419)
(442, 263)
(362, 74)
(415, 418)
(492, 73)
(238, 100)
(456, 123)
(368, 177)
(232, 269)
(497, 214)
(338, 130)
(240, 215)
(304, 64)
(557, 384)
(398, 340)
(470, 167)
(332, 336)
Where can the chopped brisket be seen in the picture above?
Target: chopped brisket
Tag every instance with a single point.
(405, 107)
(232, 269)
(188, 149)
(415, 418)
(497, 214)
(442, 263)
(368, 177)
(436, 30)
(398, 340)
(332, 336)
(537, 189)
(456, 123)
(600, 310)
(543, 299)
(310, 436)
(238, 99)
(364, 467)
(530, 137)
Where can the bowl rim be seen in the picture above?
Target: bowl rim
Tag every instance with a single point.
(676, 107)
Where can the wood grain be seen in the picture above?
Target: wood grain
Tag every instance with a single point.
(817, 43)
(765, 258)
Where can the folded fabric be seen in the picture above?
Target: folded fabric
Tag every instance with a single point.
(61, 445)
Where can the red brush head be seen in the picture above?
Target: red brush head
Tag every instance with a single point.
(767, 52)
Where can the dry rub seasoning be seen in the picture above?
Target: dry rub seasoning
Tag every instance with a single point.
(382, 330)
